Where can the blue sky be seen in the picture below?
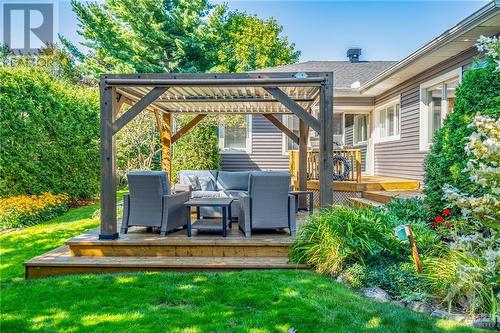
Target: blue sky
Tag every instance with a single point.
(323, 30)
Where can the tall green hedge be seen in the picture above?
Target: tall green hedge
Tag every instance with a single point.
(479, 92)
(198, 149)
(49, 135)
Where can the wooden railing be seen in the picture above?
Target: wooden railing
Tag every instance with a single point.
(352, 155)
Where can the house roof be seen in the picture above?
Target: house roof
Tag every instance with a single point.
(346, 72)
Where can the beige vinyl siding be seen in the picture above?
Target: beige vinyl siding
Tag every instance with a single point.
(402, 158)
(267, 149)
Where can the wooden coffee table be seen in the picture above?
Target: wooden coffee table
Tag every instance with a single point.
(208, 224)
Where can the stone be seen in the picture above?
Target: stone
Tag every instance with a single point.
(399, 303)
(448, 315)
(485, 323)
(419, 307)
(376, 294)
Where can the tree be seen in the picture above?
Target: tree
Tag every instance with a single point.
(177, 36)
(244, 42)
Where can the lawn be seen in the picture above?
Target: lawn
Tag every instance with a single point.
(249, 301)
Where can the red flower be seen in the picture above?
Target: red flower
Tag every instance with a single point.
(438, 219)
(446, 212)
(448, 225)
(435, 224)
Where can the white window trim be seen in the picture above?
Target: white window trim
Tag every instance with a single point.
(424, 145)
(376, 129)
(248, 148)
(364, 142)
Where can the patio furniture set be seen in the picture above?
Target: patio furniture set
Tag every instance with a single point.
(255, 200)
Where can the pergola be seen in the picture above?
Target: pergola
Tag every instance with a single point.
(268, 94)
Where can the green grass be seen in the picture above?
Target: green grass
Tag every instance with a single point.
(250, 301)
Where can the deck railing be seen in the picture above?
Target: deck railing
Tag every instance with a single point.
(352, 155)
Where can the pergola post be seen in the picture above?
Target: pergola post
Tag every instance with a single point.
(108, 156)
(166, 144)
(326, 142)
(303, 136)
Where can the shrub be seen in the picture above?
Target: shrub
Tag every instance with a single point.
(397, 277)
(415, 212)
(49, 134)
(197, 150)
(340, 236)
(26, 210)
(478, 92)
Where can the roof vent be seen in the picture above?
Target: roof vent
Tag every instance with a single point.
(353, 54)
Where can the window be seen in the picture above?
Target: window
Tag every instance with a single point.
(388, 121)
(437, 100)
(292, 122)
(360, 130)
(236, 137)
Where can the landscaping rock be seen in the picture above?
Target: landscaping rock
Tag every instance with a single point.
(445, 315)
(376, 294)
(399, 303)
(485, 323)
(419, 307)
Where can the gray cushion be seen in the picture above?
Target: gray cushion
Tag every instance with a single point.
(195, 182)
(201, 174)
(206, 183)
(206, 194)
(227, 180)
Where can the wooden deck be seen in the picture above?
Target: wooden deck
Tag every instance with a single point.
(140, 250)
(368, 183)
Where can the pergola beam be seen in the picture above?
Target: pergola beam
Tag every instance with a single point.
(180, 133)
(217, 82)
(143, 103)
(282, 127)
(294, 107)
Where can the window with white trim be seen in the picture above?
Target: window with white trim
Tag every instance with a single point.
(292, 122)
(360, 129)
(387, 122)
(236, 136)
(437, 100)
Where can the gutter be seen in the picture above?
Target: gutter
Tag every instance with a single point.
(463, 26)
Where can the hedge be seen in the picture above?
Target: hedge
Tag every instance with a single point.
(49, 134)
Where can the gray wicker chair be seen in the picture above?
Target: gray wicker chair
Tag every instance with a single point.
(150, 204)
(268, 204)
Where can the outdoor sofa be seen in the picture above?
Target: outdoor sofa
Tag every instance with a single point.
(265, 192)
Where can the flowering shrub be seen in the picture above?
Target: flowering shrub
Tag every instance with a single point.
(466, 272)
(25, 210)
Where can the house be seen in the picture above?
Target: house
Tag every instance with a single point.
(387, 109)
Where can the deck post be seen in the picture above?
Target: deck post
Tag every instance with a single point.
(166, 144)
(326, 142)
(303, 136)
(107, 160)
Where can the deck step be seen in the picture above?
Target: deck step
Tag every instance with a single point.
(61, 262)
(386, 196)
(364, 203)
(140, 243)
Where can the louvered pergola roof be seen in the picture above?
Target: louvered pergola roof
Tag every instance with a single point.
(221, 93)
